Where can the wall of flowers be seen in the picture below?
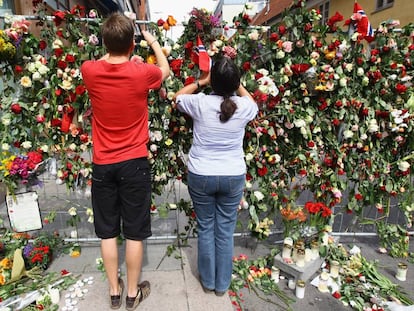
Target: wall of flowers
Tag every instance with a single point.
(336, 114)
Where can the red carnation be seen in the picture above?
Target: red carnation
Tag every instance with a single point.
(262, 171)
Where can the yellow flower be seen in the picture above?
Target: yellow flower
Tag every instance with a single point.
(6, 263)
(169, 142)
(75, 253)
(151, 59)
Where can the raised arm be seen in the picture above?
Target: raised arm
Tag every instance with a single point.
(162, 61)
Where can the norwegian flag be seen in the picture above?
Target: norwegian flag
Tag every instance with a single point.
(363, 26)
(204, 60)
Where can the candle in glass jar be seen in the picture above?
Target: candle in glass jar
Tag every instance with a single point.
(300, 257)
(291, 284)
(334, 269)
(300, 289)
(315, 249)
(287, 248)
(275, 274)
(401, 272)
(323, 282)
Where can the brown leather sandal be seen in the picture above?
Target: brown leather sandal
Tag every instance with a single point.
(144, 289)
(116, 300)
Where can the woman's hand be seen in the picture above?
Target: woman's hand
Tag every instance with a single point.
(204, 78)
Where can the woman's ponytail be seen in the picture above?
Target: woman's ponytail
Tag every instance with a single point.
(227, 109)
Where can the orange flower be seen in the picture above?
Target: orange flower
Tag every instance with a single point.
(2, 279)
(288, 214)
(171, 20)
(165, 26)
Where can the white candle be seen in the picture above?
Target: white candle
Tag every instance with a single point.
(300, 289)
(275, 274)
(291, 284)
(334, 269)
(401, 272)
(323, 282)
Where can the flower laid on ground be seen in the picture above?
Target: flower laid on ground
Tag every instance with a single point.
(255, 275)
(361, 285)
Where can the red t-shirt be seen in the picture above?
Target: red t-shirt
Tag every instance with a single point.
(119, 94)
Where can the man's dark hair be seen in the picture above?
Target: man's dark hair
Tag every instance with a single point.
(118, 33)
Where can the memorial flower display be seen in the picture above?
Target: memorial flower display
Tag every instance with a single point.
(335, 115)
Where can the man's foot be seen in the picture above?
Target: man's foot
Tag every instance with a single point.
(144, 289)
(116, 300)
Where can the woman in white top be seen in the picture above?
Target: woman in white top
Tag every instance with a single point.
(216, 166)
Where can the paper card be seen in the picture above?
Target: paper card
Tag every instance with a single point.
(23, 211)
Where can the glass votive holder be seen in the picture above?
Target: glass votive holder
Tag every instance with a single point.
(323, 282)
(334, 269)
(275, 274)
(300, 257)
(300, 289)
(315, 249)
(287, 248)
(291, 283)
(401, 274)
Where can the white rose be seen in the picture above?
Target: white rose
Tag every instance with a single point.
(36, 76)
(5, 146)
(403, 166)
(360, 72)
(299, 123)
(348, 134)
(249, 157)
(280, 54)
(259, 196)
(72, 211)
(27, 144)
(373, 126)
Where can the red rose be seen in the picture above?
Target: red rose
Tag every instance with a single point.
(16, 108)
(70, 58)
(274, 37)
(400, 88)
(189, 80)
(160, 22)
(58, 17)
(62, 65)
(246, 66)
(80, 89)
(42, 44)
(18, 69)
(58, 52)
(282, 29)
(336, 295)
(358, 197)
(262, 171)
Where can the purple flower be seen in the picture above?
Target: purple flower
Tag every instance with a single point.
(27, 250)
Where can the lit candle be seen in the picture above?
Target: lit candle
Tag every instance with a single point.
(300, 289)
(401, 272)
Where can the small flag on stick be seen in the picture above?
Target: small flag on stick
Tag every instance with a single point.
(363, 26)
(204, 60)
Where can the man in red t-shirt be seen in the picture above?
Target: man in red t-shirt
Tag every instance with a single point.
(118, 88)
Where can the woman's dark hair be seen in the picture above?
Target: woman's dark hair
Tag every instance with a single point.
(118, 33)
(225, 80)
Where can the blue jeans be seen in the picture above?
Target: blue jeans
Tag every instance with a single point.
(215, 200)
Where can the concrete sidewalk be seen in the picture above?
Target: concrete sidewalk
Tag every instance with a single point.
(174, 284)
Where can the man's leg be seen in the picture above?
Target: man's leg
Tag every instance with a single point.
(134, 252)
(109, 251)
